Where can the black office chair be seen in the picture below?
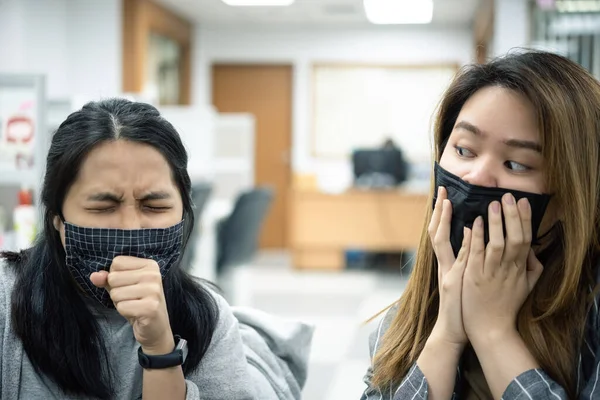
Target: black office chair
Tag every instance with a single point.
(200, 195)
(237, 234)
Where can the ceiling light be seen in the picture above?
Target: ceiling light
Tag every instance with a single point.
(578, 6)
(399, 11)
(258, 3)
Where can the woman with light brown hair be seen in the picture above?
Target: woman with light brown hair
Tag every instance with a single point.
(502, 301)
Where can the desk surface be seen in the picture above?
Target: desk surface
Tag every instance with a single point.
(367, 220)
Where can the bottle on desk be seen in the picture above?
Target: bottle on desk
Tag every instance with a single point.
(24, 217)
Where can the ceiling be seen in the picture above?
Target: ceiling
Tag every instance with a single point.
(330, 13)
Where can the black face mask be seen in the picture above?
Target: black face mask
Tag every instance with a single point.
(91, 250)
(470, 201)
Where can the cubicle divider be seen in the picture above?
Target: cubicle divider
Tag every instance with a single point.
(221, 152)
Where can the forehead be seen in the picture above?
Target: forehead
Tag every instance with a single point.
(126, 167)
(501, 112)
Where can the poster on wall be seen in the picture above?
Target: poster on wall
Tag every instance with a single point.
(17, 128)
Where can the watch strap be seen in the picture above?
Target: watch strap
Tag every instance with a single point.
(175, 358)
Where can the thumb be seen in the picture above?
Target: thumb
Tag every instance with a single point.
(100, 279)
(534, 270)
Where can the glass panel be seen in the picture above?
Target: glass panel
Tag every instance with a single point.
(163, 72)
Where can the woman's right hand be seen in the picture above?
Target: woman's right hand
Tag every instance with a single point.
(449, 325)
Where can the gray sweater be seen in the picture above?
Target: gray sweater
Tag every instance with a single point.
(270, 363)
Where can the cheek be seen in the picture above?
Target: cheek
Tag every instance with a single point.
(453, 164)
(532, 183)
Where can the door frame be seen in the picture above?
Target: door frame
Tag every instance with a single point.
(140, 19)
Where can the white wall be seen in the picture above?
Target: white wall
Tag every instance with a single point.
(11, 35)
(34, 40)
(94, 37)
(511, 25)
(76, 44)
(302, 47)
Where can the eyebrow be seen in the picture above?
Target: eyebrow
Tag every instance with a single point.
(107, 196)
(516, 143)
(158, 195)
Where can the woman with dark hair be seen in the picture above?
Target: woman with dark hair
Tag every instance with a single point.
(98, 307)
(501, 301)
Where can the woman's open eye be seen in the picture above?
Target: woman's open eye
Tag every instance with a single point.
(461, 151)
(517, 167)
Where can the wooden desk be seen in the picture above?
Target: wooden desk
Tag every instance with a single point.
(323, 226)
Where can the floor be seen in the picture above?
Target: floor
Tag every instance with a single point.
(338, 304)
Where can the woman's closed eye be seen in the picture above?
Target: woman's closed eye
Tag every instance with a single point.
(157, 208)
(101, 209)
(111, 208)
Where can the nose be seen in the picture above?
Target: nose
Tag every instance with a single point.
(130, 218)
(481, 174)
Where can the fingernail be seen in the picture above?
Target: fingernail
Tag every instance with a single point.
(509, 198)
(479, 222)
(439, 191)
(524, 204)
(495, 207)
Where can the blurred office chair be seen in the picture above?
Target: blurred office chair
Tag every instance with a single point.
(237, 240)
(200, 195)
(237, 234)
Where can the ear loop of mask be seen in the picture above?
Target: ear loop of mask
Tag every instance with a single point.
(557, 226)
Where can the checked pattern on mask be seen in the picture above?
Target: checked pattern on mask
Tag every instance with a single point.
(91, 250)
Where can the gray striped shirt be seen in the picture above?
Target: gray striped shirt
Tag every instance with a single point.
(532, 384)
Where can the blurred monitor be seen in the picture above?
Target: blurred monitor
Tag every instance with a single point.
(379, 168)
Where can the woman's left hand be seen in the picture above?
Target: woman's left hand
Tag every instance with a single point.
(499, 276)
(135, 287)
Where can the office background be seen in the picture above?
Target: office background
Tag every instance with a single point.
(272, 103)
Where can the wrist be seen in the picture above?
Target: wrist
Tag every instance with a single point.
(164, 346)
(494, 336)
(440, 340)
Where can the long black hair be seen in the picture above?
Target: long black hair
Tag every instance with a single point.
(58, 331)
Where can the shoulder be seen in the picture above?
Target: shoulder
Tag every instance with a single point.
(8, 276)
(226, 319)
(223, 371)
(384, 323)
(594, 288)
(593, 316)
(227, 332)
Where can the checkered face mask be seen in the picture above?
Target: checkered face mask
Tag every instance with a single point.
(93, 249)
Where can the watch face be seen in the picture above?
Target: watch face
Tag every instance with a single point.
(182, 346)
(185, 353)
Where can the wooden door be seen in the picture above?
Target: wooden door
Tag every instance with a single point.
(266, 92)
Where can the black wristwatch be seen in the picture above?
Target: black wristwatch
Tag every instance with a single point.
(173, 359)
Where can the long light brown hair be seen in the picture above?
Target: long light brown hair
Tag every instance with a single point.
(566, 100)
